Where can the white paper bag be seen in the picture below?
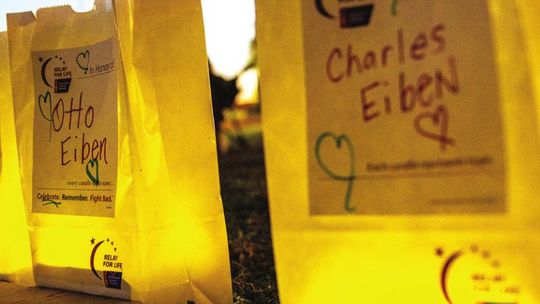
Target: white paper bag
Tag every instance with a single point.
(402, 145)
(15, 259)
(117, 152)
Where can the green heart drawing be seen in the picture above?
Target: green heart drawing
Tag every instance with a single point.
(93, 164)
(394, 7)
(83, 61)
(340, 141)
(43, 99)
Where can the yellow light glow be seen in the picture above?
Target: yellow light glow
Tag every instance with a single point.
(530, 12)
(248, 83)
(15, 261)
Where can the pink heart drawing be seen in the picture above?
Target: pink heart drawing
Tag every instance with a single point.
(434, 125)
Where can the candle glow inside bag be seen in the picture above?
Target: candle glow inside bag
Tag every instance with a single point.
(118, 162)
(15, 260)
(530, 14)
(407, 135)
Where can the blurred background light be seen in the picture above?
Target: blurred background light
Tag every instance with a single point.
(229, 26)
(12, 6)
(230, 29)
(231, 48)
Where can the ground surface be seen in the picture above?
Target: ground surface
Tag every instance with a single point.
(243, 190)
(13, 294)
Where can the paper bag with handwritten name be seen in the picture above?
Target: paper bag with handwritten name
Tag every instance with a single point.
(15, 259)
(407, 134)
(116, 148)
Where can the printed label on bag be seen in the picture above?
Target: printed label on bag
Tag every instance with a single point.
(75, 130)
(476, 275)
(403, 108)
(105, 262)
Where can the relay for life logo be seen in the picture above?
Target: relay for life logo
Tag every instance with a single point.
(104, 256)
(351, 14)
(61, 74)
(475, 275)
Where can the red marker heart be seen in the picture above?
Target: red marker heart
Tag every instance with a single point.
(438, 129)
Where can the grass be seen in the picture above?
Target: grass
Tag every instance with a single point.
(243, 187)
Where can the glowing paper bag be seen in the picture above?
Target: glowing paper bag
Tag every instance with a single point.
(406, 133)
(15, 259)
(174, 84)
(112, 209)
